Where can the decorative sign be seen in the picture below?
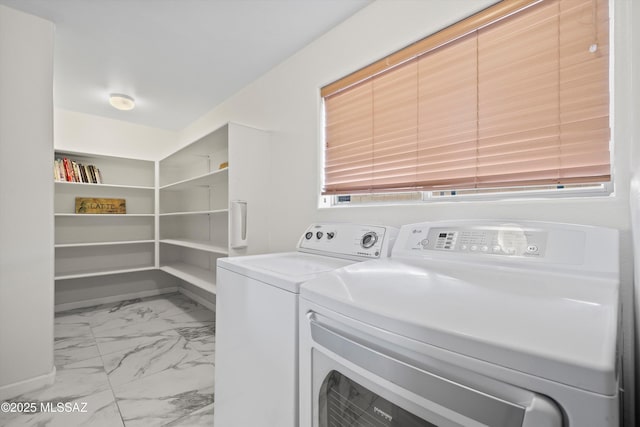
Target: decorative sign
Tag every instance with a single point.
(88, 205)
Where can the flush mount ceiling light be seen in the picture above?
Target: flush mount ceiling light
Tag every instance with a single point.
(121, 101)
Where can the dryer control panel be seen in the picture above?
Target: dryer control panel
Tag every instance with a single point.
(530, 244)
(346, 240)
(481, 240)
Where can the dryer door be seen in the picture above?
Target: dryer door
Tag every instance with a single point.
(359, 382)
(344, 402)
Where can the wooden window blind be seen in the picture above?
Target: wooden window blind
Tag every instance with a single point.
(515, 95)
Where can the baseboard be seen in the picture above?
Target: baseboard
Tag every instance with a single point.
(10, 391)
(115, 298)
(197, 298)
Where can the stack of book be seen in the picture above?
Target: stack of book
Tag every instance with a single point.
(71, 171)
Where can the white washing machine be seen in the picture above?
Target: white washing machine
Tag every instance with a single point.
(467, 324)
(257, 320)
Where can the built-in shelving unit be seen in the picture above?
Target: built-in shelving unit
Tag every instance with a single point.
(89, 245)
(194, 200)
(178, 217)
(196, 185)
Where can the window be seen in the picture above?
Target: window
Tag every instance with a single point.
(514, 97)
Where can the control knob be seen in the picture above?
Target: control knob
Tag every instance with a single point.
(368, 240)
(330, 235)
(308, 235)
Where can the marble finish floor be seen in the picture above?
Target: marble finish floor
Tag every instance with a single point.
(137, 363)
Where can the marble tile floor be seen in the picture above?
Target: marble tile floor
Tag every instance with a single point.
(137, 363)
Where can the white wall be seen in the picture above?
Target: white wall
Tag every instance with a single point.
(26, 197)
(286, 101)
(635, 219)
(100, 135)
(634, 17)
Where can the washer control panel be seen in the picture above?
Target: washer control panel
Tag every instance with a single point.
(354, 241)
(506, 241)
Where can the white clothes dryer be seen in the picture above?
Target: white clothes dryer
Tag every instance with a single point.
(256, 356)
(470, 324)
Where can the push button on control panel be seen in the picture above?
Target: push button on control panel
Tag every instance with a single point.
(446, 241)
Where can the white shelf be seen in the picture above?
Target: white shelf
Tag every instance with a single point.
(86, 184)
(205, 180)
(103, 273)
(196, 244)
(193, 202)
(200, 277)
(103, 215)
(94, 245)
(118, 173)
(127, 242)
(195, 212)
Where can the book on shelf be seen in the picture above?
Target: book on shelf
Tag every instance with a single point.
(66, 170)
(92, 173)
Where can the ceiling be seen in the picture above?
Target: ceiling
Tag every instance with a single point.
(177, 58)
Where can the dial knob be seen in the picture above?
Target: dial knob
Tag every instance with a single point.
(319, 234)
(368, 240)
(308, 235)
(330, 235)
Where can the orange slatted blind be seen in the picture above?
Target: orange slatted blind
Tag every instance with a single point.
(522, 100)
